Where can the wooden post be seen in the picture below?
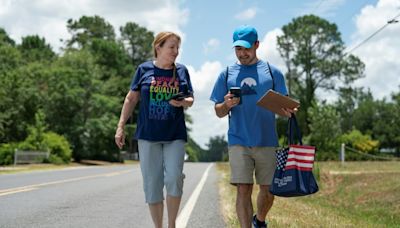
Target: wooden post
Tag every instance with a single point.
(15, 157)
(342, 153)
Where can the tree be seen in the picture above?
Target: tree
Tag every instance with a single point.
(193, 150)
(34, 48)
(396, 111)
(217, 149)
(313, 52)
(5, 39)
(112, 59)
(12, 96)
(364, 114)
(346, 106)
(325, 131)
(138, 42)
(88, 28)
(385, 124)
(73, 80)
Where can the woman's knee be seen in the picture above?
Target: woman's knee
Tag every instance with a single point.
(174, 184)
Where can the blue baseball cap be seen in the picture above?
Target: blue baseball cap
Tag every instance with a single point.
(245, 36)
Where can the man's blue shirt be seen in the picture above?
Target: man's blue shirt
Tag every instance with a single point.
(249, 124)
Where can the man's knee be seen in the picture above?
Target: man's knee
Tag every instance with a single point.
(264, 190)
(244, 189)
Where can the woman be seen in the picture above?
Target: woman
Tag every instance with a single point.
(161, 129)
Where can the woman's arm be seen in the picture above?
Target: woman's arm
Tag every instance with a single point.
(131, 99)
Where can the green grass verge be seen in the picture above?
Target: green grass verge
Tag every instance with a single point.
(38, 167)
(355, 194)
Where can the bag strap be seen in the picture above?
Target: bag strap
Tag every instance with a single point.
(226, 78)
(294, 129)
(226, 85)
(272, 76)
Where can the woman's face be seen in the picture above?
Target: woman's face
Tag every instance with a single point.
(169, 51)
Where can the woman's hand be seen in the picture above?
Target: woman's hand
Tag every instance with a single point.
(120, 137)
(185, 103)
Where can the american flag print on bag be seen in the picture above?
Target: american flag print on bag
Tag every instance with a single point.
(300, 157)
(281, 158)
(294, 164)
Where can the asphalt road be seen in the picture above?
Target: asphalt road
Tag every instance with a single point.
(102, 196)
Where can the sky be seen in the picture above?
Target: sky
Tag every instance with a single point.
(206, 29)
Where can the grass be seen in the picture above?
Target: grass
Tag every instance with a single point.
(33, 167)
(356, 194)
(37, 167)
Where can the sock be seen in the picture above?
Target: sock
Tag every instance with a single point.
(259, 222)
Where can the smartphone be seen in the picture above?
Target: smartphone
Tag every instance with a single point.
(237, 92)
(179, 96)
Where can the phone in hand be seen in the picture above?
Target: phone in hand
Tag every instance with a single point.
(179, 96)
(237, 92)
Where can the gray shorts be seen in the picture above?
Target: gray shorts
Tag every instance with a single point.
(246, 162)
(162, 165)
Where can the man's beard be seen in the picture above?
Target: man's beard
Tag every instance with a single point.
(246, 60)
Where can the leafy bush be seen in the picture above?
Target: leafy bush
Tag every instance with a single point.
(360, 142)
(58, 147)
(40, 140)
(7, 153)
(55, 160)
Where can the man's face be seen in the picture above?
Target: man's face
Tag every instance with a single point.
(247, 56)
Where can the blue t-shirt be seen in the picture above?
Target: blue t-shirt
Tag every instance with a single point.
(249, 124)
(158, 120)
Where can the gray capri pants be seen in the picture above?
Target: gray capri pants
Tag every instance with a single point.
(161, 164)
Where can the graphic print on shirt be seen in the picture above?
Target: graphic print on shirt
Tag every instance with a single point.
(248, 86)
(161, 90)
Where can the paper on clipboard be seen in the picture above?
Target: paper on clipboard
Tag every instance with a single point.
(275, 101)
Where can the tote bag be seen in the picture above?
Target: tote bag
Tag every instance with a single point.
(293, 174)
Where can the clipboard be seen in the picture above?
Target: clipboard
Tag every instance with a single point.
(275, 101)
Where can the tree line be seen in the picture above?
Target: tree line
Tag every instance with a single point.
(69, 102)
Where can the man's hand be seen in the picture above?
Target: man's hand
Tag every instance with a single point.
(222, 109)
(288, 112)
(230, 101)
(120, 137)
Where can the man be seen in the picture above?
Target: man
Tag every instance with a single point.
(252, 137)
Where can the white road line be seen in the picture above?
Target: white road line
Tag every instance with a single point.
(35, 186)
(184, 216)
(16, 191)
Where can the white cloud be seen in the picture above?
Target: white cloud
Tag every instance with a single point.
(247, 14)
(48, 18)
(4, 6)
(381, 53)
(211, 46)
(205, 123)
(268, 50)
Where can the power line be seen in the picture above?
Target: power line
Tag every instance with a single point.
(316, 8)
(392, 21)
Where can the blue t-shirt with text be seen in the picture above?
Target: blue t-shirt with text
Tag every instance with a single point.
(158, 120)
